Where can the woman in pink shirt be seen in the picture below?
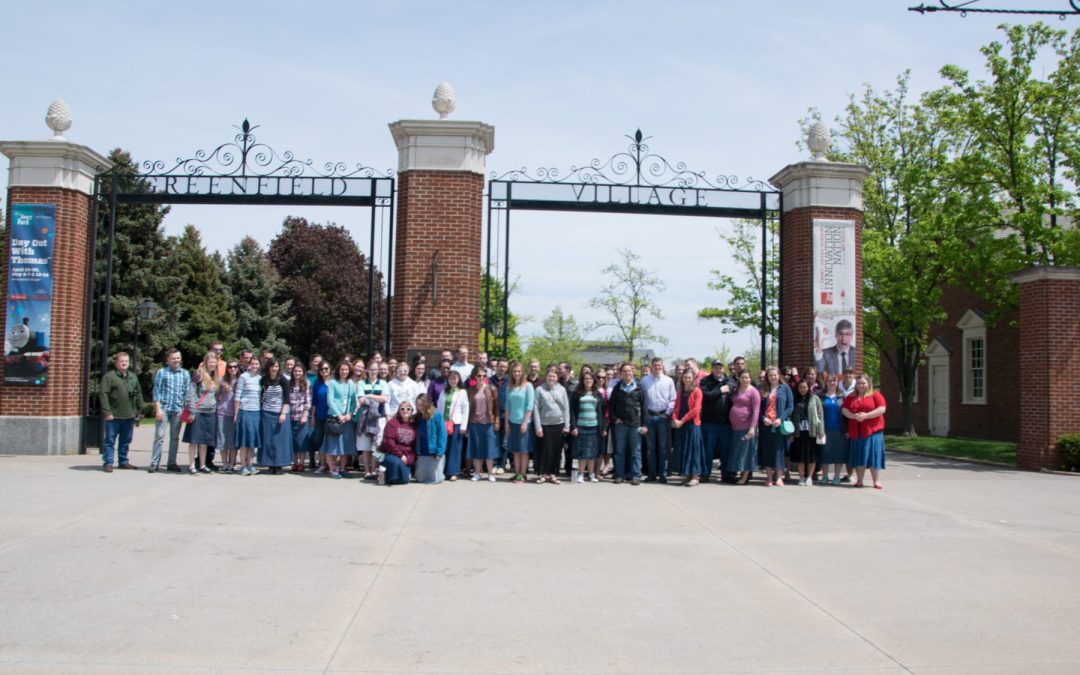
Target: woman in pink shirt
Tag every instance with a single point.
(745, 408)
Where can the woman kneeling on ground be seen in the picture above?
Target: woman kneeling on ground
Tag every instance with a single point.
(398, 447)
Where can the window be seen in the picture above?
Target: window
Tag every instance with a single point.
(975, 383)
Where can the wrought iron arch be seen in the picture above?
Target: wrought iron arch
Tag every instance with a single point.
(243, 170)
(634, 180)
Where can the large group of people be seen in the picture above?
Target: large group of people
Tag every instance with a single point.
(394, 422)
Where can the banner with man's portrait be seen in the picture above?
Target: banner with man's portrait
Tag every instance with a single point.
(835, 310)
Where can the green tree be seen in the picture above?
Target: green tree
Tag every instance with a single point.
(255, 296)
(742, 283)
(627, 301)
(140, 270)
(560, 340)
(492, 323)
(1023, 139)
(204, 308)
(921, 223)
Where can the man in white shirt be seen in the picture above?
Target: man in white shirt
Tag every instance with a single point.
(462, 365)
(659, 405)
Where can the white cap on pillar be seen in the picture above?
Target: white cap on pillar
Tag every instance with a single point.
(820, 182)
(442, 144)
(56, 162)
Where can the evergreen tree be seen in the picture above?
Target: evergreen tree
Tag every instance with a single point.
(263, 318)
(325, 277)
(205, 312)
(141, 270)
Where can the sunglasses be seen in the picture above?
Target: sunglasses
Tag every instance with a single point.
(234, 367)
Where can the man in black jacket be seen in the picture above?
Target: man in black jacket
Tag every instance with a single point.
(627, 426)
(715, 427)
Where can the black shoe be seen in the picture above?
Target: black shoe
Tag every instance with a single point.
(213, 467)
(153, 468)
(173, 468)
(635, 482)
(663, 479)
(650, 479)
(618, 481)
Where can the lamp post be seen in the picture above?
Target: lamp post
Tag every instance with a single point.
(145, 311)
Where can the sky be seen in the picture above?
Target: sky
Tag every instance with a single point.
(720, 86)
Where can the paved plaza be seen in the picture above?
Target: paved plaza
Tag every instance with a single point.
(953, 568)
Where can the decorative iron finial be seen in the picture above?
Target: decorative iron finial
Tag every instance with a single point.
(58, 118)
(817, 139)
(444, 100)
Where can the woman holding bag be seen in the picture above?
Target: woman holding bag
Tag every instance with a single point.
(807, 417)
(776, 405)
(454, 405)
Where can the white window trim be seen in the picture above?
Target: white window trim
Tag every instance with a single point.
(974, 328)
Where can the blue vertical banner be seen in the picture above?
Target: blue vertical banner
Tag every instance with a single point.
(29, 294)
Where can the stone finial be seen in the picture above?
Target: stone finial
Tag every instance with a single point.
(58, 118)
(444, 100)
(817, 139)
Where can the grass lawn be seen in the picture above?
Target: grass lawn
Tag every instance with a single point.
(991, 451)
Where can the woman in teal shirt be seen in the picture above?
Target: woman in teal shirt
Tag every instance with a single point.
(519, 406)
(341, 405)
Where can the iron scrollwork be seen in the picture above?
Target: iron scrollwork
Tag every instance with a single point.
(246, 156)
(637, 166)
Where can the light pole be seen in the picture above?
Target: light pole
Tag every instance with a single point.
(145, 311)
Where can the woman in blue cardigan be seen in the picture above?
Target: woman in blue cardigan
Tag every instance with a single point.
(430, 441)
(777, 402)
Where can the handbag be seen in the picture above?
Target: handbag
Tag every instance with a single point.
(787, 428)
(187, 415)
(332, 426)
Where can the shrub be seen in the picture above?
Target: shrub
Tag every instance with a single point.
(1069, 445)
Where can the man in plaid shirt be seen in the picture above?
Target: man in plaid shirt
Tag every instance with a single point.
(170, 393)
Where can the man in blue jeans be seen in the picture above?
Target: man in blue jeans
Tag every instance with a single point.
(121, 406)
(660, 404)
(170, 393)
(627, 426)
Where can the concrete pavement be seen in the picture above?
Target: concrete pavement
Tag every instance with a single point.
(953, 568)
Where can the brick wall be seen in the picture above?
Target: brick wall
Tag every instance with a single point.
(437, 211)
(1048, 398)
(997, 418)
(797, 309)
(62, 395)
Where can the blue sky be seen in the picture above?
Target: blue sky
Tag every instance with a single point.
(718, 85)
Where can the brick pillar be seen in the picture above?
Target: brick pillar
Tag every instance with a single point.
(1048, 401)
(439, 210)
(47, 419)
(813, 190)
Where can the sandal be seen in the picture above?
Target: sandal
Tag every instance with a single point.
(541, 479)
(554, 480)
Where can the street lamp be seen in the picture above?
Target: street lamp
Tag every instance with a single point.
(145, 311)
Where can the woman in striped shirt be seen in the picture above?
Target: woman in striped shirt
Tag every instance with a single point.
(276, 430)
(587, 426)
(246, 412)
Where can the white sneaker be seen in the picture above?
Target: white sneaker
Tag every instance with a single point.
(802, 481)
(575, 475)
(475, 477)
(809, 482)
(580, 478)
(593, 478)
(491, 478)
